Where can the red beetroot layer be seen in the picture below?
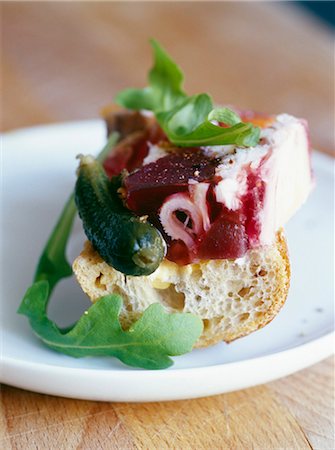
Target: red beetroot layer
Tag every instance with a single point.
(148, 187)
(231, 233)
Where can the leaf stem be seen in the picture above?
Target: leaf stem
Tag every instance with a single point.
(53, 265)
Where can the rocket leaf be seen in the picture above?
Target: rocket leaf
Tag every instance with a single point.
(53, 265)
(148, 343)
(191, 124)
(186, 120)
(165, 88)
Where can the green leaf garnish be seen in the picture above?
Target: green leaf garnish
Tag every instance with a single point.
(187, 121)
(165, 88)
(224, 115)
(191, 124)
(53, 265)
(147, 344)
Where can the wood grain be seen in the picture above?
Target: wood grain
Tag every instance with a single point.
(294, 413)
(63, 61)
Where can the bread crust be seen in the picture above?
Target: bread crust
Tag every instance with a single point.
(283, 277)
(239, 312)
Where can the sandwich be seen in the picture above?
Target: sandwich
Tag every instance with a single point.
(188, 208)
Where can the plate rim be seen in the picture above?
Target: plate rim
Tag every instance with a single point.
(15, 372)
(324, 338)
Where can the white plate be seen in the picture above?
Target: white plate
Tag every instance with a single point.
(38, 175)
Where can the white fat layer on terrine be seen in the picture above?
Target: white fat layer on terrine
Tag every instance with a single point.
(234, 170)
(287, 173)
(284, 161)
(155, 152)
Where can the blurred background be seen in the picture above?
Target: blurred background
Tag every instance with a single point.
(66, 60)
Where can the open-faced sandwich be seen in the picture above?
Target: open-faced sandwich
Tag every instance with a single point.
(184, 213)
(218, 184)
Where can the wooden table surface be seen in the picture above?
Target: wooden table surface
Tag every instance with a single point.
(63, 61)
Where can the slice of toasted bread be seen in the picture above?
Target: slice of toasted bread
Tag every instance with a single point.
(233, 297)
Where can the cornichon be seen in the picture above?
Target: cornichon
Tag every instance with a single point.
(125, 241)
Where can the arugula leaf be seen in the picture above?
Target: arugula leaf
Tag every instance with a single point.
(166, 79)
(148, 343)
(186, 117)
(224, 115)
(53, 265)
(165, 85)
(137, 99)
(191, 124)
(187, 121)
